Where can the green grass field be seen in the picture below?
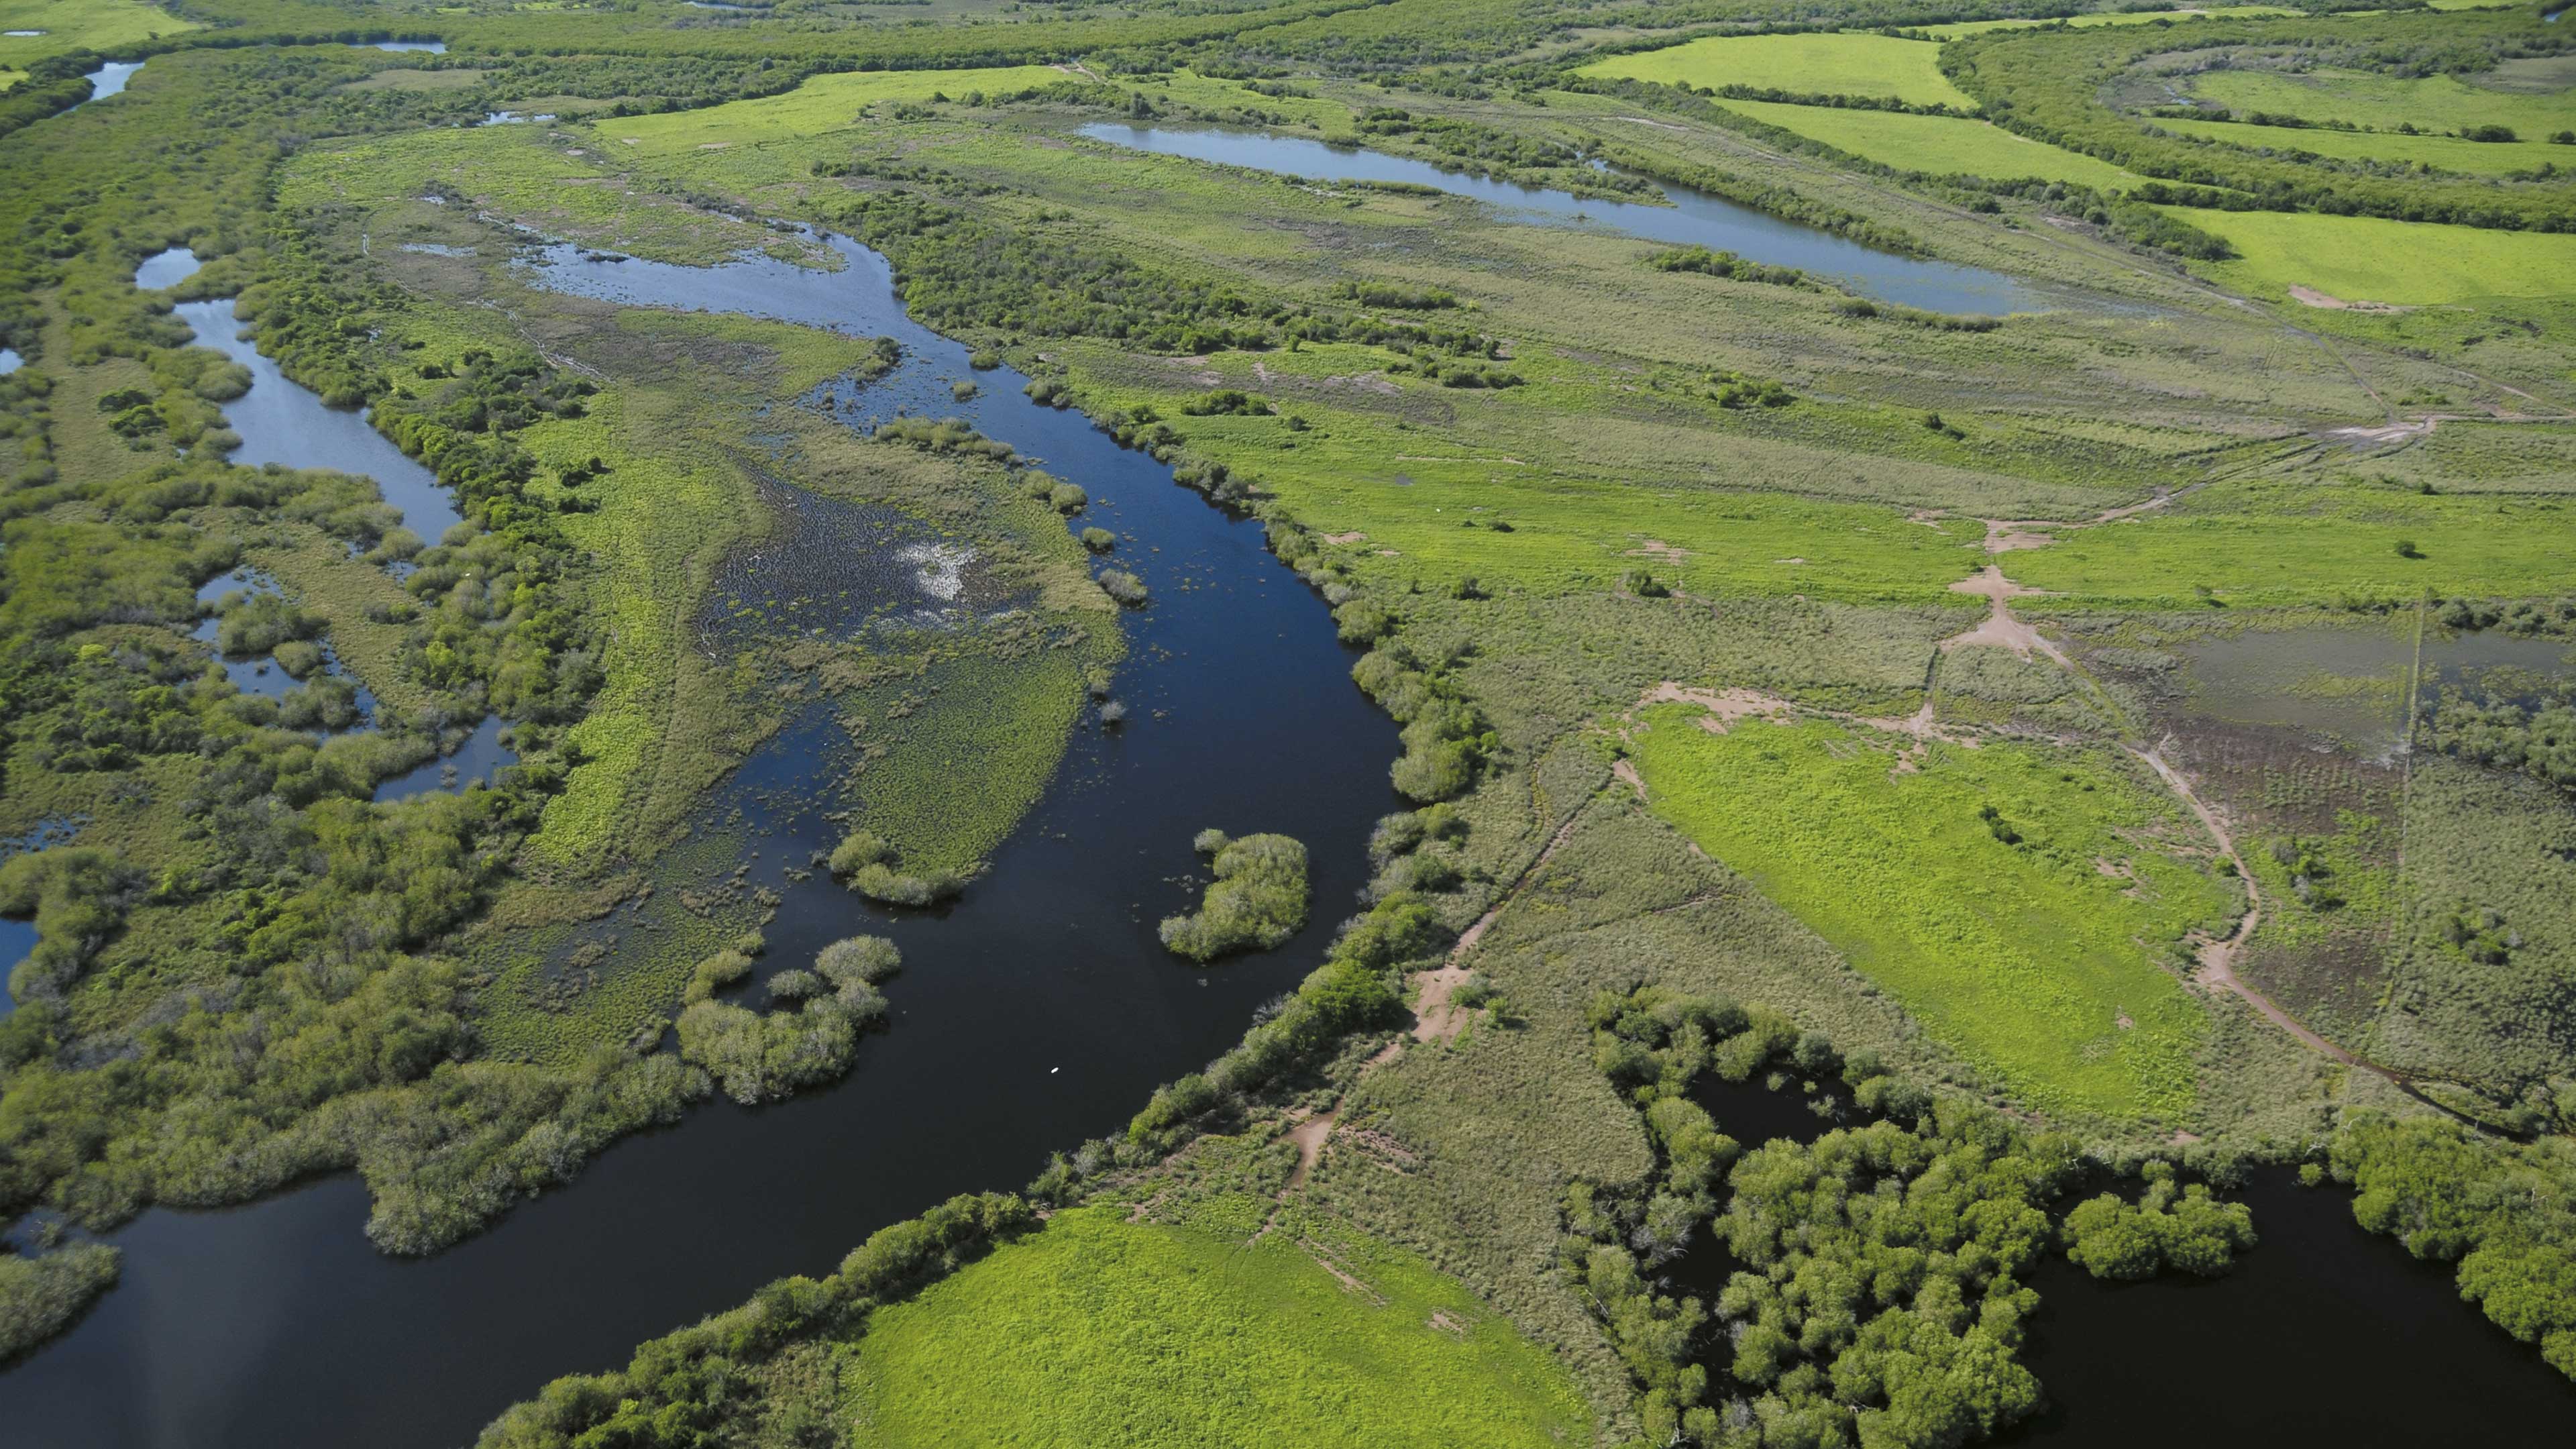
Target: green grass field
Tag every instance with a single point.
(2286, 544)
(834, 102)
(2445, 153)
(1096, 1331)
(2034, 960)
(2365, 259)
(2120, 17)
(2438, 103)
(78, 25)
(1940, 145)
(1823, 64)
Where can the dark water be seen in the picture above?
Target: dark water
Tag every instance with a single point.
(2323, 1334)
(1692, 219)
(281, 421)
(1036, 1013)
(471, 761)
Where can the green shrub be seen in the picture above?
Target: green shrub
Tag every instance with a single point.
(1258, 899)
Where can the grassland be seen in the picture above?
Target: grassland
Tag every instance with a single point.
(2365, 259)
(2112, 17)
(70, 25)
(1096, 1330)
(2292, 543)
(2443, 153)
(2383, 103)
(1821, 64)
(2044, 959)
(1937, 145)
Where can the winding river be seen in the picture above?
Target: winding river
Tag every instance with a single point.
(1036, 1013)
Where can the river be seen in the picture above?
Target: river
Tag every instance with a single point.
(1692, 219)
(1037, 1012)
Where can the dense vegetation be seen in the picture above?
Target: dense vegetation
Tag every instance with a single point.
(1256, 900)
(1650, 551)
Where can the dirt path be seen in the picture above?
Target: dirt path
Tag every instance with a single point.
(1434, 1018)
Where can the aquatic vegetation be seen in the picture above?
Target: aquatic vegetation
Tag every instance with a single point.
(1258, 898)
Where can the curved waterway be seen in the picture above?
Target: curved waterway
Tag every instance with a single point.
(2323, 1334)
(1037, 1012)
(1693, 219)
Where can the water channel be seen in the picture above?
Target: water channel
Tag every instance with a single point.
(2323, 1334)
(1040, 1011)
(1692, 219)
(1037, 1012)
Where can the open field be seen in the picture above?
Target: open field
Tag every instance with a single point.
(2045, 958)
(2383, 103)
(1096, 1330)
(2365, 259)
(1937, 145)
(2286, 544)
(2178, 16)
(2444, 153)
(81, 25)
(1825, 64)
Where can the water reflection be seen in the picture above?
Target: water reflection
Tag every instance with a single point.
(1037, 1012)
(1692, 219)
(107, 80)
(283, 422)
(166, 269)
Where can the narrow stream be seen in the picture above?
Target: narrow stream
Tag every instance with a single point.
(1038, 1012)
(1693, 218)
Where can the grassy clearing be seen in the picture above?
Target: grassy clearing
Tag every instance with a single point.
(2120, 17)
(1940, 145)
(2278, 544)
(2442, 153)
(2383, 103)
(80, 25)
(1816, 64)
(838, 102)
(2360, 258)
(1426, 503)
(1098, 1331)
(2038, 958)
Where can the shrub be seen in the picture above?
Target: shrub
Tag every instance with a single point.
(863, 959)
(1099, 540)
(1124, 587)
(1259, 898)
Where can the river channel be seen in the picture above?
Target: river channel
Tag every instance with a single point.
(1692, 219)
(1038, 1012)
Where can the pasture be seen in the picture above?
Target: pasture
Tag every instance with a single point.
(1095, 1330)
(2028, 940)
(2442, 153)
(2383, 103)
(2366, 259)
(1938, 145)
(1818, 64)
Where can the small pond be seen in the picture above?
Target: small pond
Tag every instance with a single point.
(1691, 219)
(108, 80)
(471, 762)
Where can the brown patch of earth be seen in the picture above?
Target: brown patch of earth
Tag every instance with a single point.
(2311, 297)
(1354, 536)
